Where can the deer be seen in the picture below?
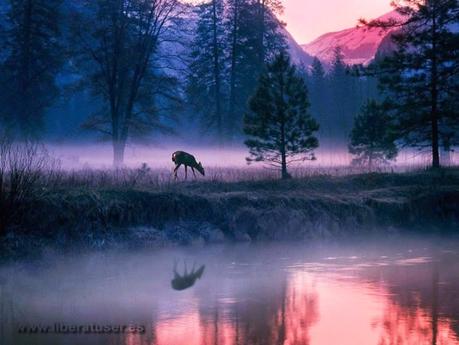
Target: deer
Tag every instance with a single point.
(187, 280)
(188, 160)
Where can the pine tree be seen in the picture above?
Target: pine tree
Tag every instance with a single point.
(32, 58)
(234, 42)
(341, 96)
(206, 80)
(420, 77)
(317, 82)
(279, 128)
(372, 139)
(254, 39)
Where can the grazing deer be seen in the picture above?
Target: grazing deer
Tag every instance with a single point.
(180, 283)
(180, 157)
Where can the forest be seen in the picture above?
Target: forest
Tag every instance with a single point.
(135, 71)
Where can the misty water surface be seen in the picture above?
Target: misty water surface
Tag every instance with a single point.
(398, 291)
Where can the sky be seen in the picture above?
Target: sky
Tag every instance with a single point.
(308, 19)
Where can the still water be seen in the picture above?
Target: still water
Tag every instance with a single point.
(381, 292)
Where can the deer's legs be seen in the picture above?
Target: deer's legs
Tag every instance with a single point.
(177, 166)
(194, 174)
(186, 172)
(175, 269)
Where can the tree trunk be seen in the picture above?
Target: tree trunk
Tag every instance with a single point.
(434, 95)
(285, 174)
(232, 98)
(370, 162)
(25, 78)
(435, 145)
(217, 75)
(261, 33)
(118, 153)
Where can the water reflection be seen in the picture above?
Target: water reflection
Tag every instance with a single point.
(291, 295)
(187, 280)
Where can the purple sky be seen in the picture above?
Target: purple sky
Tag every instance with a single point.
(308, 19)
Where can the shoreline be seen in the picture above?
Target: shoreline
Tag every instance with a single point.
(318, 207)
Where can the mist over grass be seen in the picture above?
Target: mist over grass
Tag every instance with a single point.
(158, 157)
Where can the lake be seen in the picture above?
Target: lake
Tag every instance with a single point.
(381, 291)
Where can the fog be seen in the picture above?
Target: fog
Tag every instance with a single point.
(100, 156)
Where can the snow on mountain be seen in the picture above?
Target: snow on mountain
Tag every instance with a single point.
(359, 44)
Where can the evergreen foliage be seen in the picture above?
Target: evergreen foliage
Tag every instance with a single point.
(31, 59)
(241, 35)
(372, 138)
(420, 78)
(279, 127)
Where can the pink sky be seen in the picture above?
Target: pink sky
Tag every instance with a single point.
(308, 19)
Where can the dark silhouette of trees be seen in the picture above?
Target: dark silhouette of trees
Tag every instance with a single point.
(233, 41)
(317, 81)
(337, 92)
(32, 57)
(279, 128)
(420, 77)
(118, 41)
(372, 139)
(207, 68)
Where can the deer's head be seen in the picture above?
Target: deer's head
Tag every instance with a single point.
(200, 169)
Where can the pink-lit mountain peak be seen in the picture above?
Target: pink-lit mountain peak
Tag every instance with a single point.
(358, 44)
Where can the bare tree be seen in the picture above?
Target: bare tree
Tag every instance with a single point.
(117, 43)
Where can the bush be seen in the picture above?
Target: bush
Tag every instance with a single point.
(21, 166)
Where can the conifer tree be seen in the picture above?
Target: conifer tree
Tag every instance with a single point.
(319, 101)
(32, 56)
(279, 127)
(341, 96)
(372, 139)
(420, 77)
(206, 81)
(254, 39)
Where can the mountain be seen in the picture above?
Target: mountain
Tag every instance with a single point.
(359, 45)
(176, 48)
(298, 55)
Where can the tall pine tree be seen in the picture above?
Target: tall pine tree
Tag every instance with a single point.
(32, 58)
(279, 127)
(420, 77)
(242, 37)
(319, 99)
(206, 80)
(341, 97)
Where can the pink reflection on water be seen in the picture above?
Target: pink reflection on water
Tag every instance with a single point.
(311, 309)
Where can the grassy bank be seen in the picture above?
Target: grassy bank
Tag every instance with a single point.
(71, 211)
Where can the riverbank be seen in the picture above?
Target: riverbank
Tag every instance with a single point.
(202, 212)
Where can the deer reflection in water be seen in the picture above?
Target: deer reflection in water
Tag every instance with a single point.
(187, 280)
